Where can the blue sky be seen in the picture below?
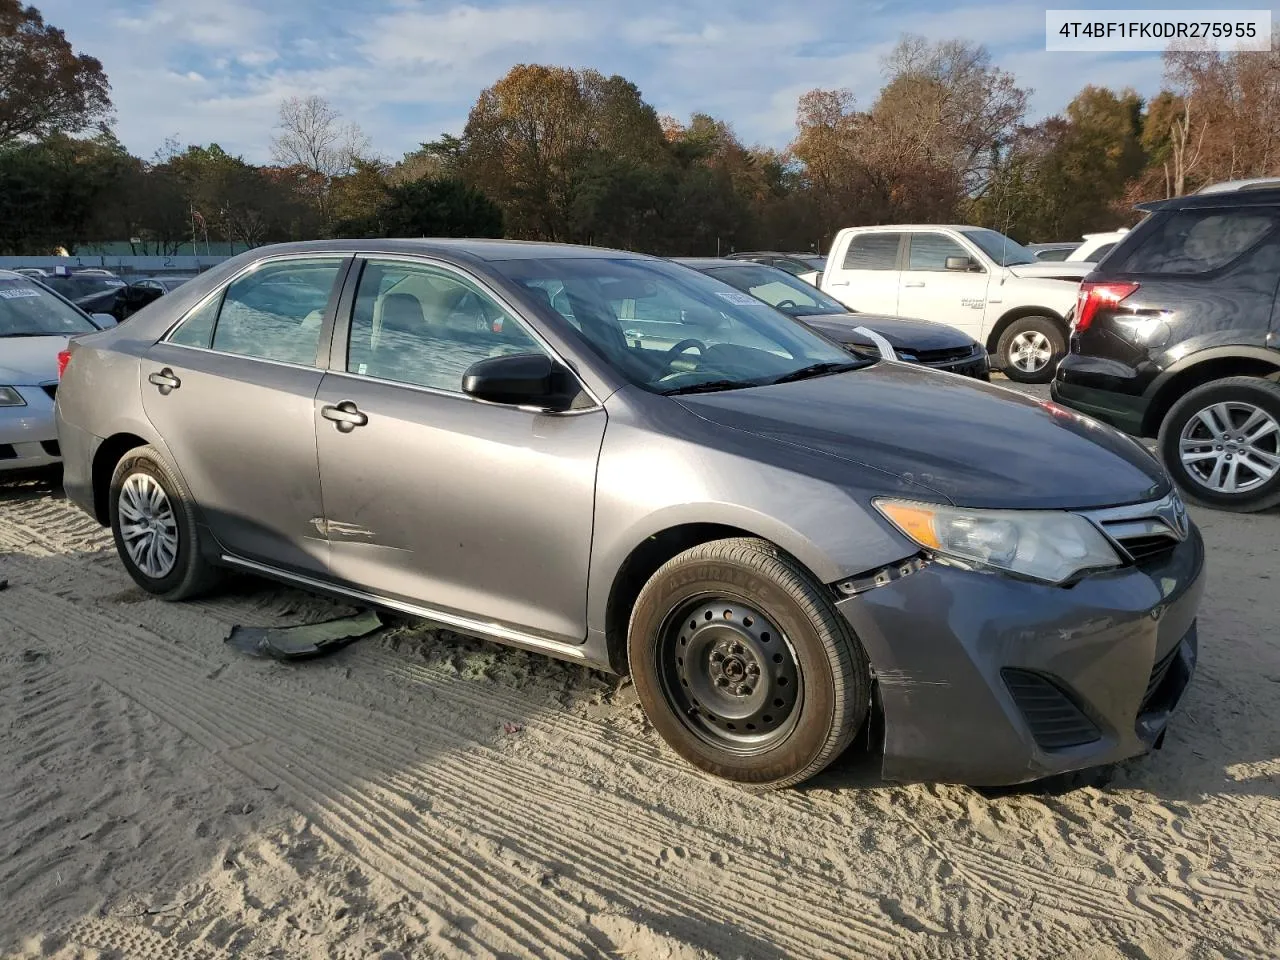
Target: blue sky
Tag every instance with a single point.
(408, 70)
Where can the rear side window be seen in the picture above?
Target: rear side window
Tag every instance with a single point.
(1197, 241)
(873, 251)
(196, 329)
(1097, 255)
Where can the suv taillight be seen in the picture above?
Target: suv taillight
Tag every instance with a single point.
(1092, 296)
(64, 357)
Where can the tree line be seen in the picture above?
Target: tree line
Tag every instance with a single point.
(554, 153)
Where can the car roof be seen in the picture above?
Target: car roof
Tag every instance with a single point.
(700, 262)
(1258, 197)
(13, 275)
(491, 250)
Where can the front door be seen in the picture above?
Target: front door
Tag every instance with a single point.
(932, 292)
(231, 390)
(475, 509)
(864, 275)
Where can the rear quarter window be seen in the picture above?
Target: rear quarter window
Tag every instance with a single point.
(1188, 242)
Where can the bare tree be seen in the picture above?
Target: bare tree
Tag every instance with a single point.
(314, 136)
(1183, 157)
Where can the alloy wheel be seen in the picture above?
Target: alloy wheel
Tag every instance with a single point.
(1030, 351)
(730, 674)
(1231, 447)
(148, 525)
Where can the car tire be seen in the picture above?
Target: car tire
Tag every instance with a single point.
(776, 684)
(165, 558)
(1029, 349)
(1203, 475)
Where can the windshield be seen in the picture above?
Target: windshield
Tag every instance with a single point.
(1000, 248)
(779, 289)
(29, 310)
(78, 286)
(670, 329)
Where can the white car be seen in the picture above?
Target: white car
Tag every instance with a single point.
(974, 279)
(1096, 246)
(35, 324)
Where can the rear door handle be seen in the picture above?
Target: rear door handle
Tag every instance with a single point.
(165, 380)
(345, 415)
(838, 283)
(914, 283)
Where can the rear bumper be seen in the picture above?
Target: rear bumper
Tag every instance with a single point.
(78, 448)
(1105, 389)
(990, 681)
(28, 434)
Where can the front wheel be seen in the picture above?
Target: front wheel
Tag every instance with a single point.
(1029, 348)
(744, 666)
(1221, 443)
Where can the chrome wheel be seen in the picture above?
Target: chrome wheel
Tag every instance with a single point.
(1231, 447)
(148, 525)
(730, 675)
(1030, 351)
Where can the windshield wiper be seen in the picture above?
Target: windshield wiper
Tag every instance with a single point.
(28, 334)
(818, 370)
(708, 386)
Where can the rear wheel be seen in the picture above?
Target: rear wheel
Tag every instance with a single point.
(1029, 348)
(155, 529)
(744, 666)
(1221, 443)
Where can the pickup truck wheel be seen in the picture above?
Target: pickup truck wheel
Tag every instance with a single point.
(744, 666)
(1221, 444)
(1029, 348)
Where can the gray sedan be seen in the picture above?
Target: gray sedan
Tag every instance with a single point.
(35, 323)
(616, 460)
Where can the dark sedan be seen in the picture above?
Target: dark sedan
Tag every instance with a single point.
(915, 341)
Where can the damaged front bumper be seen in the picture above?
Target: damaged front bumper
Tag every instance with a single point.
(988, 680)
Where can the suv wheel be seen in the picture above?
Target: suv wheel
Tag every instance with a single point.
(155, 529)
(1221, 442)
(1028, 348)
(744, 666)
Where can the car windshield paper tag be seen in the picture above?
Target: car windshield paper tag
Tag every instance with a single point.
(740, 299)
(16, 293)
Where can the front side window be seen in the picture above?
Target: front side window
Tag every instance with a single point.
(1001, 249)
(423, 325)
(670, 329)
(873, 251)
(29, 310)
(276, 311)
(1197, 241)
(929, 251)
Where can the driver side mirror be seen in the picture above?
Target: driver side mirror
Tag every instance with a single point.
(962, 264)
(105, 320)
(521, 380)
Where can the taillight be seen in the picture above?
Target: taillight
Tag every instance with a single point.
(64, 357)
(1093, 296)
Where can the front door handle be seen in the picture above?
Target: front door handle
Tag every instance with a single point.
(165, 380)
(838, 283)
(914, 283)
(345, 415)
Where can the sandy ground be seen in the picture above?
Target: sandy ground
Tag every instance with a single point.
(420, 794)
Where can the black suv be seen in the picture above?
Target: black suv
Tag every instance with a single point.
(1176, 335)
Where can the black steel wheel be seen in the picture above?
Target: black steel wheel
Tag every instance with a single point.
(744, 666)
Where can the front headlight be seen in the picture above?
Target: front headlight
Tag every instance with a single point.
(1048, 545)
(10, 397)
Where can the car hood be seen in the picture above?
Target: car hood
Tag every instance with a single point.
(901, 332)
(974, 444)
(29, 361)
(1061, 270)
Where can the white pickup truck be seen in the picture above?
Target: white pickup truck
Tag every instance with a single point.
(974, 279)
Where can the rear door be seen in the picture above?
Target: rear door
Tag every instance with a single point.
(231, 390)
(864, 276)
(932, 292)
(479, 510)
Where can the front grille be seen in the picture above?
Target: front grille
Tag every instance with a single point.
(51, 448)
(7, 452)
(1056, 722)
(1145, 532)
(51, 389)
(949, 355)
